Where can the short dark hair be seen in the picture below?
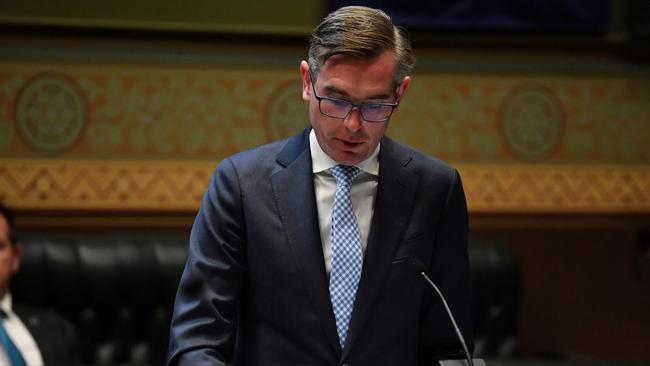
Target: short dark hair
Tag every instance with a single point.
(361, 32)
(8, 214)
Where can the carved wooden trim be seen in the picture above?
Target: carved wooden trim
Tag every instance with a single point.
(557, 189)
(177, 186)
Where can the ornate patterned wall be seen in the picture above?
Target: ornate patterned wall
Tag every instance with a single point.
(119, 135)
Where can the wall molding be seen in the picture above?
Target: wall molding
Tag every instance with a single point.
(564, 189)
(178, 186)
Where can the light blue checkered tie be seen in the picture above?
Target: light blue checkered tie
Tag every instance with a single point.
(347, 257)
(13, 354)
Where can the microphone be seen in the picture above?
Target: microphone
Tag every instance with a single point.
(421, 269)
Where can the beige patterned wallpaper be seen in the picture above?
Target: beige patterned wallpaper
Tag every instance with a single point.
(79, 135)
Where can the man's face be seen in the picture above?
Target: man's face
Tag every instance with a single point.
(351, 140)
(9, 257)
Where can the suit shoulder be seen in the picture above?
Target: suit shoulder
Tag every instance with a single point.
(254, 158)
(258, 155)
(421, 163)
(263, 160)
(251, 166)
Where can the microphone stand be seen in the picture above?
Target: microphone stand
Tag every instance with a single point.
(420, 268)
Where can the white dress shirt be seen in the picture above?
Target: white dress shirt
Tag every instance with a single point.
(19, 335)
(362, 194)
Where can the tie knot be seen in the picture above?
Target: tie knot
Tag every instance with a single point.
(345, 174)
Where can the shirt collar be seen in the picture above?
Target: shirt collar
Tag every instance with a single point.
(320, 161)
(5, 304)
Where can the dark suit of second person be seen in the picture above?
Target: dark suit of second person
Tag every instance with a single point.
(55, 336)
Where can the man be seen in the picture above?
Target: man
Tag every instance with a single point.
(298, 253)
(28, 336)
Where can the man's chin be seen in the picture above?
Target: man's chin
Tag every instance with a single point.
(349, 158)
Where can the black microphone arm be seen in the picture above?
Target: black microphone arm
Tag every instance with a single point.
(421, 269)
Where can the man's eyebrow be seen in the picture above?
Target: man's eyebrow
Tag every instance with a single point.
(330, 89)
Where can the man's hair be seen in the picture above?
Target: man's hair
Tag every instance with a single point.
(11, 222)
(360, 32)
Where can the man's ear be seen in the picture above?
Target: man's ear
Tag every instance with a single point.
(15, 260)
(306, 81)
(402, 88)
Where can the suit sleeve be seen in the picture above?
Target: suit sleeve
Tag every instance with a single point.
(204, 322)
(449, 269)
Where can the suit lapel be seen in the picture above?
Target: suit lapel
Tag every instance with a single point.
(294, 196)
(33, 321)
(395, 198)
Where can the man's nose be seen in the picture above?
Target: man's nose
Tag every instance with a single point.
(353, 120)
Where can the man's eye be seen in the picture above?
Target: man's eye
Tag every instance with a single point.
(373, 106)
(340, 102)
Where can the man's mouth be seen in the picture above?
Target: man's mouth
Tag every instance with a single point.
(351, 144)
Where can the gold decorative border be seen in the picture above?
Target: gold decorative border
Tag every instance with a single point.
(104, 185)
(178, 186)
(564, 189)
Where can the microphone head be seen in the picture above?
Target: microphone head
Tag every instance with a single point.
(416, 265)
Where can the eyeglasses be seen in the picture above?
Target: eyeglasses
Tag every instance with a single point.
(341, 108)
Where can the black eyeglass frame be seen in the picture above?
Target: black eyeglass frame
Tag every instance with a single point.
(359, 106)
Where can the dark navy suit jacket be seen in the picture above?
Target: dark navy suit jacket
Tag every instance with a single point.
(55, 337)
(255, 291)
